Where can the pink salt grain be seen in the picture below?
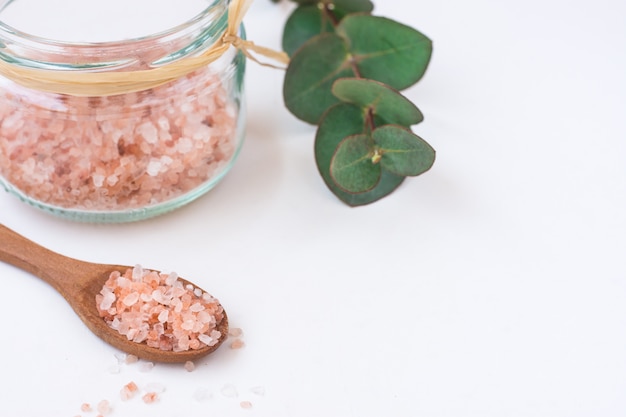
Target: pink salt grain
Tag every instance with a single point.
(237, 344)
(189, 366)
(128, 391)
(158, 310)
(150, 397)
(118, 152)
(235, 332)
(86, 407)
(104, 407)
(245, 404)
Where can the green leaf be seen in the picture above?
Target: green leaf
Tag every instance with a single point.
(351, 166)
(385, 50)
(380, 98)
(338, 122)
(353, 6)
(303, 24)
(310, 74)
(403, 152)
(349, 6)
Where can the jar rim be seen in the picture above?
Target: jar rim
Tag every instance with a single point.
(11, 33)
(186, 39)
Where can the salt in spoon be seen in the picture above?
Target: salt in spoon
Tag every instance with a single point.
(79, 282)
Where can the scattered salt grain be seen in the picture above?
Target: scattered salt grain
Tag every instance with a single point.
(237, 344)
(258, 390)
(104, 407)
(128, 391)
(86, 407)
(235, 332)
(121, 357)
(229, 391)
(189, 366)
(146, 366)
(150, 397)
(130, 359)
(245, 404)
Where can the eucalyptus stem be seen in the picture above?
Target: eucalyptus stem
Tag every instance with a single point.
(346, 72)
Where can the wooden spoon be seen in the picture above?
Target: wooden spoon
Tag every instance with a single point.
(79, 282)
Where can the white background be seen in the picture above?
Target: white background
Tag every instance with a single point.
(494, 285)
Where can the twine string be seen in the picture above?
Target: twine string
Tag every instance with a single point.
(124, 82)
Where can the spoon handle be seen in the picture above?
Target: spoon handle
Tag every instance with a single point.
(25, 254)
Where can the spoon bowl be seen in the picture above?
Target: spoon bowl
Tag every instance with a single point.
(79, 282)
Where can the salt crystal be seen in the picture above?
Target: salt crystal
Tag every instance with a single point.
(258, 390)
(229, 391)
(112, 180)
(150, 397)
(131, 299)
(128, 391)
(188, 324)
(196, 307)
(154, 167)
(189, 366)
(104, 407)
(131, 359)
(123, 282)
(107, 300)
(237, 344)
(163, 315)
(245, 404)
(148, 131)
(215, 335)
(86, 407)
(171, 278)
(98, 180)
(146, 366)
(235, 332)
(120, 356)
(163, 123)
(206, 339)
(137, 273)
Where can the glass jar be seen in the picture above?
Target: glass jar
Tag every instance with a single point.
(126, 156)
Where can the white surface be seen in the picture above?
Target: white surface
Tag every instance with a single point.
(494, 285)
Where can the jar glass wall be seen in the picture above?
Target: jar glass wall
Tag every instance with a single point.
(120, 157)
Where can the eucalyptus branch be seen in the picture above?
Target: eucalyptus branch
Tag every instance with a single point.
(346, 72)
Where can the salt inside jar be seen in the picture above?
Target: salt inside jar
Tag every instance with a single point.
(119, 154)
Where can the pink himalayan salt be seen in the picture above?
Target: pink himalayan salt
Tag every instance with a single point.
(183, 329)
(104, 407)
(150, 397)
(189, 366)
(117, 152)
(128, 391)
(235, 332)
(86, 407)
(237, 344)
(245, 404)
(146, 366)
